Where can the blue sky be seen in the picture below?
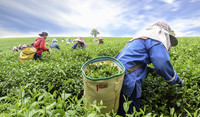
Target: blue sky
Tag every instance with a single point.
(111, 17)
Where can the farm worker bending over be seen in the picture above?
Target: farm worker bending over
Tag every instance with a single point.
(24, 46)
(80, 43)
(100, 40)
(151, 46)
(15, 49)
(67, 43)
(63, 40)
(20, 46)
(39, 44)
(54, 45)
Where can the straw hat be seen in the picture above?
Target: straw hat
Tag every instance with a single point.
(165, 26)
(80, 39)
(54, 40)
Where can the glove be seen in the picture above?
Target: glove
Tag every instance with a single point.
(48, 51)
(180, 82)
(151, 69)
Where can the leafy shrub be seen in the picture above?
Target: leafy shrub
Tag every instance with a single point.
(59, 73)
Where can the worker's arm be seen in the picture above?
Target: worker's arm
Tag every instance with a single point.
(42, 46)
(160, 58)
(57, 46)
(74, 46)
(151, 69)
(83, 47)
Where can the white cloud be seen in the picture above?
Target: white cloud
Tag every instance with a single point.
(183, 27)
(105, 15)
(193, 0)
(147, 7)
(5, 34)
(175, 5)
(168, 1)
(76, 15)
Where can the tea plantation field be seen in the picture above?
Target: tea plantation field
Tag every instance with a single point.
(53, 87)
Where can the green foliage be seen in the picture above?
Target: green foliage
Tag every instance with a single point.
(95, 32)
(159, 97)
(101, 70)
(39, 102)
(54, 87)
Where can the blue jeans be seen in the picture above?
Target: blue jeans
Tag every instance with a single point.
(135, 103)
(36, 56)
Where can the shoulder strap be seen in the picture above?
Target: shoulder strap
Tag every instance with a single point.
(134, 68)
(133, 40)
(144, 38)
(137, 66)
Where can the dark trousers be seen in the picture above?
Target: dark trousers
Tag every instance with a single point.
(135, 103)
(36, 56)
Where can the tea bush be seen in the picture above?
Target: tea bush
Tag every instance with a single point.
(101, 70)
(43, 84)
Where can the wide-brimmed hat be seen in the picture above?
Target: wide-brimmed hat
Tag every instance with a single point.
(80, 39)
(43, 34)
(54, 40)
(165, 26)
(24, 45)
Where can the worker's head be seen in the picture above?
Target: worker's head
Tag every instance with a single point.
(100, 38)
(79, 39)
(170, 32)
(32, 43)
(24, 45)
(54, 40)
(44, 35)
(79, 42)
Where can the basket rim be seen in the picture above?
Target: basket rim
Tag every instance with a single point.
(29, 47)
(103, 57)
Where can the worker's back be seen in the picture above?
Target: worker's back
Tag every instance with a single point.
(54, 45)
(38, 42)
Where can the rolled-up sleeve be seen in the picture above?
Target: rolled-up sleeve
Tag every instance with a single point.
(74, 46)
(57, 46)
(160, 58)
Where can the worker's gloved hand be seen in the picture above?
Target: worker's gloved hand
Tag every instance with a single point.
(48, 51)
(151, 69)
(180, 82)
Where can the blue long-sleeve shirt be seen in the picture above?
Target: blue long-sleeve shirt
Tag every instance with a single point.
(75, 46)
(144, 52)
(54, 45)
